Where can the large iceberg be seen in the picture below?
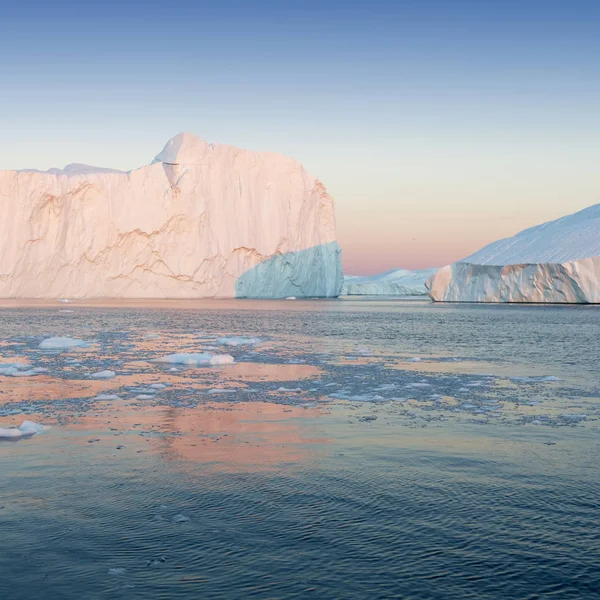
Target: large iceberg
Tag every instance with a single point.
(397, 282)
(203, 220)
(557, 262)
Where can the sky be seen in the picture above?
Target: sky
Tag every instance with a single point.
(437, 125)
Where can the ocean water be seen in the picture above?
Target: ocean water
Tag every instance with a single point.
(354, 448)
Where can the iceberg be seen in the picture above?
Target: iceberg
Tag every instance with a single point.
(555, 262)
(202, 220)
(397, 282)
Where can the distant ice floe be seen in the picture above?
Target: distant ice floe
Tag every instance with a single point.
(62, 343)
(238, 341)
(107, 397)
(20, 370)
(104, 375)
(25, 430)
(197, 360)
(546, 378)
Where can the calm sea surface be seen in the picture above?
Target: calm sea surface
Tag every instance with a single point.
(354, 449)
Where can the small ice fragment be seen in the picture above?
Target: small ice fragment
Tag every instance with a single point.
(158, 386)
(62, 343)
(180, 519)
(145, 397)
(25, 430)
(197, 360)
(291, 298)
(413, 359)
(104, 375)
(107, 397)
(284, 389)
(220, 391)
(118, 571)
(238, 341)
(574, 418)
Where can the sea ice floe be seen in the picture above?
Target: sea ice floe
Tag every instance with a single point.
(117, 571)
(197, 360)
(238, 341)
(62, 343)
(284, 389)
(413, 359)
(158, 386)
(25, 430)
(104, 375)
(573, 418)
(145, 397)
(107, 397)
(214, 391)
(20, 370)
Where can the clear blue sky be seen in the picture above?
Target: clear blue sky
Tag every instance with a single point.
(438, 126)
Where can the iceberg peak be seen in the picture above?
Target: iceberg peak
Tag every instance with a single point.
(184, 148)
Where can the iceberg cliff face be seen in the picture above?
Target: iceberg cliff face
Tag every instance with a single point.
(557, 262)
(202, 220)
(398, 282)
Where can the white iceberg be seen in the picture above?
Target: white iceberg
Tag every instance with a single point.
(62, 343)
(197, 360)
(25, 430)
(556, 262)
(397, 282)
(203, 220)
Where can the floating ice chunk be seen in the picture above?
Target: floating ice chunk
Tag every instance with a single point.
(158, 386)
(151, 336)
(145, 397)
(180, 519)
(284, 389)
(197, 360)
(238, 341)
(418, 385)
(62, 343)
(118, 571)
(546, 378)
(220, 391)
(104, 375)
(25, 430)
(107, 397)
(291, 298)
(413, 359)
(364, 351)
(574, 418)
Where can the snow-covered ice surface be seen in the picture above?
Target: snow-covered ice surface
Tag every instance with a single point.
(381, 414)
(252, 225)
(397, 282)
(555, 262)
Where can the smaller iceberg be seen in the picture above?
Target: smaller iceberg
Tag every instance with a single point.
(397, 282)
